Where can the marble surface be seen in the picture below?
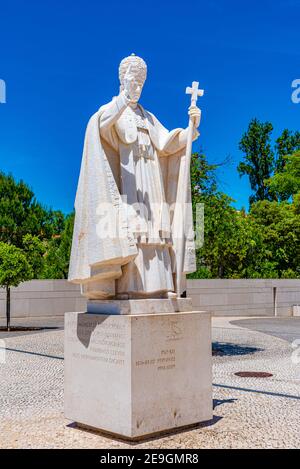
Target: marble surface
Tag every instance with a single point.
(135, 375)
(133, 199)
(142, 306)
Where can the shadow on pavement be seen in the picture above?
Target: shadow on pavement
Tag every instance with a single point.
(217, 402)
(227, 349)
(146, 438)
(257, 391)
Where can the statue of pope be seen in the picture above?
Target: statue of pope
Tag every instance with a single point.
(129, 203)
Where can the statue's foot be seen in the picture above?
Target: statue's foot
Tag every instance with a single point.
(122, 296)
(172, 294)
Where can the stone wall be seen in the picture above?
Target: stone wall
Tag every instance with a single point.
(245, 297)
(221, 297)
(43, 298)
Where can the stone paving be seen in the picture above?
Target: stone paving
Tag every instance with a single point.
(248, 413)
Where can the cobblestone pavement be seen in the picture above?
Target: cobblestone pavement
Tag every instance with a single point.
(248, 413)
(54, 322)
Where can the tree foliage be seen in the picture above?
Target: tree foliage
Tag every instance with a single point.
(263, 243)
(14, 266)
(26, 229)
(259, 159)
(264, 164)
(58, 251)
(25, 223)
(287, 144)
(21, 214)
(286, 183)
(279, 224)
(14, 269)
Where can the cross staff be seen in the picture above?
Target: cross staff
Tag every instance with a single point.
(195, 93)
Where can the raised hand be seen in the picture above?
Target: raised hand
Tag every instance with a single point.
(131, 87)
(195, 115)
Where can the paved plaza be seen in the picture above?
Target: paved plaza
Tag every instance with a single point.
(248, 412)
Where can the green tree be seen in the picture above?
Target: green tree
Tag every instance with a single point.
(286, 183)
(279, 224)
(58, 250)
(261, 244)
(229, 240)
(259, 160)
(221, 223)
(203, 176)
(34, 249)
(287, 144)
(14, 269)
(25, 227)
(21, 214)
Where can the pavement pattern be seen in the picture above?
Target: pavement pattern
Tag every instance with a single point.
(248, 412)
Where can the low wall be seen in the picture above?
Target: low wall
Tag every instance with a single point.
(43, 298)
(245, 297)
(221, 297)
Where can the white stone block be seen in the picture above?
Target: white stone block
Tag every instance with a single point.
(296, 310)
(141, 306)
(134, 375)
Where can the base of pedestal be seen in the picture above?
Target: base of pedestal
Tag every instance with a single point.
(136, 375)
(141, 306)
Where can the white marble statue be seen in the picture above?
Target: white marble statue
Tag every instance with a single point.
(127, 232)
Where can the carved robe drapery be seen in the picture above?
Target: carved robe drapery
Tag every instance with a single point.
(127, 152)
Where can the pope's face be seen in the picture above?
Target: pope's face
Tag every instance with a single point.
(135, 84)
(137, 92)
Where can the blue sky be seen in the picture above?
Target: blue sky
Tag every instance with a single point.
(60, 60)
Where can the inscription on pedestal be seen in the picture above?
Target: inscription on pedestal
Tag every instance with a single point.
(166, 360)
(104, 341)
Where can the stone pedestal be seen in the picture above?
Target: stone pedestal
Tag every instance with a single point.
(136, 374)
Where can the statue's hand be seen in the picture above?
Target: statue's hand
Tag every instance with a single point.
(195, 115)
(131, 87)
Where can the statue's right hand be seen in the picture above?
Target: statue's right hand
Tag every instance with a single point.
(130, 85)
